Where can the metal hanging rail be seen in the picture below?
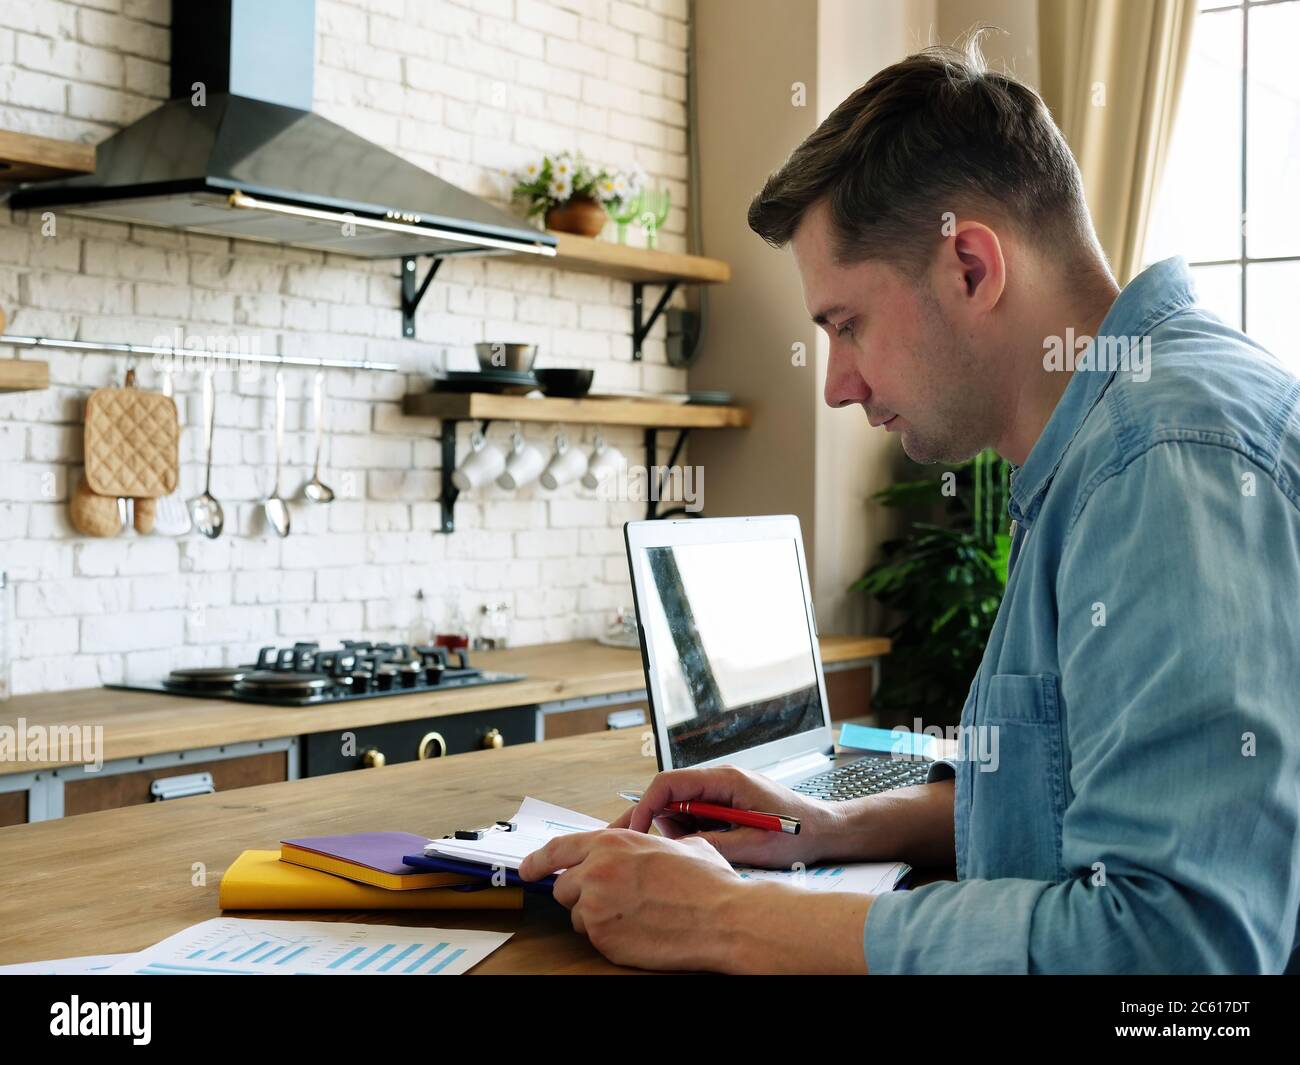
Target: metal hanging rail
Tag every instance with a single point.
(190, 353)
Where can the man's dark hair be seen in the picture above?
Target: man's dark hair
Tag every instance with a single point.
(934, 133)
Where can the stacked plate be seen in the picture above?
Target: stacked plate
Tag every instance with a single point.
(506, 382)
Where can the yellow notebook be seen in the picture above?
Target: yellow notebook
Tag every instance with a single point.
(259, 880)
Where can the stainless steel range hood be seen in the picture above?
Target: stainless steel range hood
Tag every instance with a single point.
(237, 152)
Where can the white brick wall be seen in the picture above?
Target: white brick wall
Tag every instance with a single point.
(463, 89)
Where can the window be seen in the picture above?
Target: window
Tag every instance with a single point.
(1230, 199)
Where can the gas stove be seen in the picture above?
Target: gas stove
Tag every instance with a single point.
(305, 675)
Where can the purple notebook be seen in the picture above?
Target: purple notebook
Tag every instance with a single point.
(381, 851)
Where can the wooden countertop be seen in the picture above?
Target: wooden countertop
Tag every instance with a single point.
(130, 883)
(137, 724)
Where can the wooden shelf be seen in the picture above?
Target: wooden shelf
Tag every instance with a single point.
(627, 263)
(476, 406)
(23, 375)
(24, 157)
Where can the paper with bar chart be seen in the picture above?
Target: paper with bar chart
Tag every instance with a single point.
(867, 878)
(239, 946)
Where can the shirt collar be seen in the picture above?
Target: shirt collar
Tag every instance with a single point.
(1156, 293)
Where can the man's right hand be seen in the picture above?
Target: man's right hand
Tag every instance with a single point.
(821, 823)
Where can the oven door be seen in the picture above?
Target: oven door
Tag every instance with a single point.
(409, 741)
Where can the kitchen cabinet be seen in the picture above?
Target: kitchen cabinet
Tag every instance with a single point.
(108, 792)
(597, 719)
(13, 808)
(50, 793)
(849, 690)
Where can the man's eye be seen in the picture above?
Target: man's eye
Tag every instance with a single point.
(846, 329)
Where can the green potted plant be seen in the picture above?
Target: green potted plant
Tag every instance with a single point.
(942, 582)
(571, 194)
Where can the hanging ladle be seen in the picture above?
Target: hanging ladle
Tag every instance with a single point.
(316, 490)
(275, 508)
(206, 512)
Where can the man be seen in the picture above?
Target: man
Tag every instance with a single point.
(1143, 674)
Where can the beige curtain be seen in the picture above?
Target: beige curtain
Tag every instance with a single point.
(1111, 71)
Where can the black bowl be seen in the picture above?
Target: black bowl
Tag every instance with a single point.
(569, 384)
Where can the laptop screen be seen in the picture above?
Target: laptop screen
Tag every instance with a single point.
(735, 665)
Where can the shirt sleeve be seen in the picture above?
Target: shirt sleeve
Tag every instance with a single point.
(940, 769)
(1178, 629)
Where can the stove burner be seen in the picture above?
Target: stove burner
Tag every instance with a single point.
(304, 674)
(207, 678)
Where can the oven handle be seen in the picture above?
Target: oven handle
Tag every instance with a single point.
(423, 753)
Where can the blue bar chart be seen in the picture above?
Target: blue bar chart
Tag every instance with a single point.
(868, 878)
(238, 946)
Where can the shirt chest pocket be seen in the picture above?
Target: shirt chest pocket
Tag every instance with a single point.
(1018, 782)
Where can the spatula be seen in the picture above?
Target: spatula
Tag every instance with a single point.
(172, 517)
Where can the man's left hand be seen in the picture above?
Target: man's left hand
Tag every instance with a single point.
(642, 900)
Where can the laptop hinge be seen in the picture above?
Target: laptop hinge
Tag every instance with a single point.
(798, 767)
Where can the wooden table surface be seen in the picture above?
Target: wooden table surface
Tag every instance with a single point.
(120, 880)
(137, 724)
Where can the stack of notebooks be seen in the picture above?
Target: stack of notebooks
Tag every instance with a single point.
(362, 871)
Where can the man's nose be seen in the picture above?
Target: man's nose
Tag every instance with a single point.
(844, 385)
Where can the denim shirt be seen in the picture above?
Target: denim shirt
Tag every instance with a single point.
(1142, 678)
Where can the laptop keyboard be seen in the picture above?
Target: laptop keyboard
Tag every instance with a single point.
(866, 776)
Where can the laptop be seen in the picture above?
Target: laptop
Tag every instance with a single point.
(732, 663)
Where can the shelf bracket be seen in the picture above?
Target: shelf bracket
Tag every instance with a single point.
(450, 492)
(651, 464)
(641, 328)
(411, 295)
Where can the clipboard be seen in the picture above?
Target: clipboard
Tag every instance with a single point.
(441, 864)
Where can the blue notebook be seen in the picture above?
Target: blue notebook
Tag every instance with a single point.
(441, 864)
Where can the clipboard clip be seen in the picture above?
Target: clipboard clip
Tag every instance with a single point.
(480, 833)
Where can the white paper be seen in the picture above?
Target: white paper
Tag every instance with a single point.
(82, 966)
(536, 824)
(866, 878)
(240, 946)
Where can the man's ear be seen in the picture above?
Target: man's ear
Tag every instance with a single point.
(973, 262)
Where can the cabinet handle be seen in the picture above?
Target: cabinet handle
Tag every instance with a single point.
(179, 787)
(493, 740)
(429, 741)
(373, 758)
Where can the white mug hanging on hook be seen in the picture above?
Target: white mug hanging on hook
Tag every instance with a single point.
(567, 464)
(482, 465)
(604, 461)
(523, 465)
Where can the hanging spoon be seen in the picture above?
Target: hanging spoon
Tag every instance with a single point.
(208, 516)
(275, 508)
(315, 489)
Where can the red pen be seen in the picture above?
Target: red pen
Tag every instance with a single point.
(748, 818)
(710, 812)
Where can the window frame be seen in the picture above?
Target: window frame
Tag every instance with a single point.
(1244, 260)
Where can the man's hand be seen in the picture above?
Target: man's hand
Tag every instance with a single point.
(914, 824)
(642, 900)
(820, 822)
(676, 904)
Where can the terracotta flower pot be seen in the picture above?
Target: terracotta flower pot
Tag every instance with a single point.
(581, 215)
